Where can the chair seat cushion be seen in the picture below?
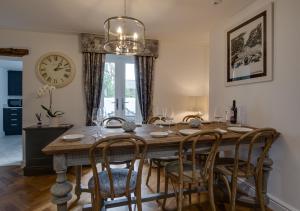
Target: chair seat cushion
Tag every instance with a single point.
(227, 169)
(163, 161)
(119, 181)
(172, 169)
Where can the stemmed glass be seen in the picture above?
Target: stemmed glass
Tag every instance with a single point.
(218, 115)
(160, 116)
(97, 120)
(170, 118)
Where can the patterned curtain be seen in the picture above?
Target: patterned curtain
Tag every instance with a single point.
(93, 71)
(144, 84)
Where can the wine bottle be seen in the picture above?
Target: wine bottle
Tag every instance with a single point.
(233, 113)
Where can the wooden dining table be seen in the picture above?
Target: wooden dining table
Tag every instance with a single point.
(67, 154)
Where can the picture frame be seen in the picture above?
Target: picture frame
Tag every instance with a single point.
(250, 49)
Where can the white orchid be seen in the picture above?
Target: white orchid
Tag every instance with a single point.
(41, 92)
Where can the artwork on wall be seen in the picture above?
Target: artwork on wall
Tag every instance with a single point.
(250, 49)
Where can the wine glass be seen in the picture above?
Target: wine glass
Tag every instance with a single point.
(170, 118)
(160, 116)
(218, 115)
(97, 119)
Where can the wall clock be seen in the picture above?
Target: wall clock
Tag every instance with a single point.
(55, 69)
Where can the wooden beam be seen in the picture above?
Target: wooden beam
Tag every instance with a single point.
(13, 52)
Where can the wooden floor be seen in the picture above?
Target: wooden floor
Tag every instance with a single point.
(19, 193)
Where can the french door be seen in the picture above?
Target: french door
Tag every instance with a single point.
(119, 96)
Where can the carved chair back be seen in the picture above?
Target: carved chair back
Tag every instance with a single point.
(112, 119)
(191, 142)
(264, 136)
(189, 117)
(107, 148)
(152, 120)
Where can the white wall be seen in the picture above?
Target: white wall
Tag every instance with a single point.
(68, 99)
(274, 104)
(181, 71)
(3, 96)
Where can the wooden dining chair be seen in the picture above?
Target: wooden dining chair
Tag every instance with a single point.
(189, 117)
(239, 168)
(188, 172)
(117, 182)
(159, 163)
(108, 120)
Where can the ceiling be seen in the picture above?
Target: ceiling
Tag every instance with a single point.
(9, 64)
(161, 17)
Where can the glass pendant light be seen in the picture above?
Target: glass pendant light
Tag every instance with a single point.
(124, 35)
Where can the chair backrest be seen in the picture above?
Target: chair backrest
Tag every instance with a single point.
(152, 120)
(189, 117)
(191, 142)
(111, 119)
(264, 136)
(109, 146)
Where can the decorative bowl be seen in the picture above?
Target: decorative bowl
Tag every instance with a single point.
(195, 123)
(128, 126)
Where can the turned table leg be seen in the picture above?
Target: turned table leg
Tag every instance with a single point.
(78, 172)
(267, 167)
(61, 190)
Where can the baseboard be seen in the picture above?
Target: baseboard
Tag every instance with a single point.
(274, 203)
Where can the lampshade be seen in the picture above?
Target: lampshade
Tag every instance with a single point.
(124, 35)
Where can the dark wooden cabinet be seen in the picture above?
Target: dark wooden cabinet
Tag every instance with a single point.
(36, 138)
(12, 121)
(14, 83)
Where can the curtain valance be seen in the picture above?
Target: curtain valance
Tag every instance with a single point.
(94, 43)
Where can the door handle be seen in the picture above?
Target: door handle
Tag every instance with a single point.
(117, 104)
(123, 104)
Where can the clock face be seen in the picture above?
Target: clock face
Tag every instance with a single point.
(55, 69)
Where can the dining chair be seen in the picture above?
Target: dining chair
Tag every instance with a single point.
(117, 182)
(238, 168)
(108, 120)
(159, 162)
(189, 117)
(188, 172)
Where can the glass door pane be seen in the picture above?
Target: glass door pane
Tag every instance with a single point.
(109, 90)
(130, 92)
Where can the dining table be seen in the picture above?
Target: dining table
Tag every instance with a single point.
(76, 154)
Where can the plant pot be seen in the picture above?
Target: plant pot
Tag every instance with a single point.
(55, 121)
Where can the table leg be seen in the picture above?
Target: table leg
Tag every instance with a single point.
(61, 190)
(267, 167)
(78, 173)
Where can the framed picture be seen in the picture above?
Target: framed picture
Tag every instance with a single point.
(250, 49)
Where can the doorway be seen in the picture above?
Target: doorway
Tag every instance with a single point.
(119, 94)
(11, 71)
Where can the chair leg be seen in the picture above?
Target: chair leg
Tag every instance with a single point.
(259, 193)
(190, 194)
(225, 180)
(233, 193)
(166, 191)
(138, 196)
(180, 198)
(211, 192)
(158, 178)
(149, 172)
(129, 202)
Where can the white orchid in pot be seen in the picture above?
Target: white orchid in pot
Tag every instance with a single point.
(54, 116)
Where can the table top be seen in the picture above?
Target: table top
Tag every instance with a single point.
(59, 146)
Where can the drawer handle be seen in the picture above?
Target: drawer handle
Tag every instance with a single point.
(13, 119)
(13, 109)
(13, 124)
(13, 114)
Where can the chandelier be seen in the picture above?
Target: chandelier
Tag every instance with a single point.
(124, 35)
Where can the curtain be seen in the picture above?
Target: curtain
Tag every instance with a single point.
(144, 84)
(93, 71)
